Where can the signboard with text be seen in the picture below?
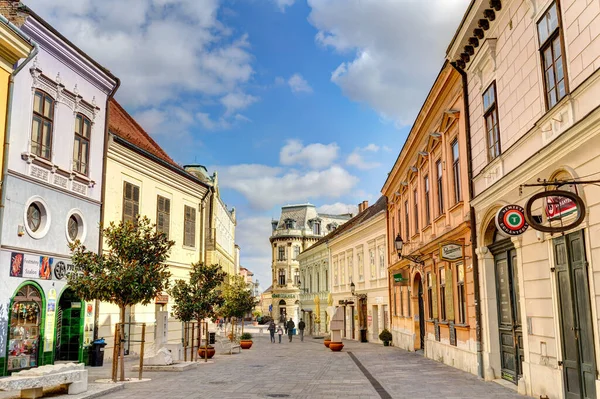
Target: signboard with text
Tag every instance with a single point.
(451, 251)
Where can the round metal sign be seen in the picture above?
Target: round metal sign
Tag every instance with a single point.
(510, 220)
(559, 205)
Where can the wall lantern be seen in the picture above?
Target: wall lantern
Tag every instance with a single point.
(399, 245)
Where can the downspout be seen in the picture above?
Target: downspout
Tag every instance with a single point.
(103, 194)
(210, 208)
(11, 83)
(473, 223)
(203, 227)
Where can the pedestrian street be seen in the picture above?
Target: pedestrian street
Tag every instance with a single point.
(309, 370)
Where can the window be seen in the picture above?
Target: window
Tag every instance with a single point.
(427, 208)
(42, 124)
(406, 219)
(429, 295)
(318, 283)
(350, 268)
(395, 309)
(310, 286)
(462, 300)
(393, 227)
(372, 262)
(381, 262)
(297, 277)
(131, 202)
(399, 221)
(416, 209)
(552, 56)
(361, 265)
(408, 301)
(73, 228)
(34, 217)
(490, 114)
(289, 224)
(402, 302)
(326, 280)
(281, 253)
(189, 218)
(281, 280)
(335, 273)
(81, 148)
(296, 251)
(456, 172)
(440, 187)
(442, 293)
(342, 270)
(163, 214)
(317, 228)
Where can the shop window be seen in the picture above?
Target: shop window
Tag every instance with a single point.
(24, 339)
(442, 293)
(462, 298)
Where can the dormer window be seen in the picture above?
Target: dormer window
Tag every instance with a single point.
(316, 228)
(290, 224)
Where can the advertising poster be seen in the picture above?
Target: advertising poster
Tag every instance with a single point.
(88, 331)
(46, 267)
(50, 321)
(31, 266)
(16, 264)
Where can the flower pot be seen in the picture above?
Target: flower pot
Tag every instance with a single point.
(386, 343)
(210, 352)
(255, 323)
(327, 342)
(336, 346)
(245, 344)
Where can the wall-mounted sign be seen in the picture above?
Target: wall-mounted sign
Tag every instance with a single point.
(510, 220)
(62, 269)
(31, 266)
(451, 251)
(558, 206)
(401, 278)
(161, 299)
(283, 296)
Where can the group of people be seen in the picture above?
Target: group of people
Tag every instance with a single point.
(289, 330)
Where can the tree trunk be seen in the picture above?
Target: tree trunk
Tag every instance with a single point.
(121, 346)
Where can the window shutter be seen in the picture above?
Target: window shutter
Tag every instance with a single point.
(434, 295)
(449, 294)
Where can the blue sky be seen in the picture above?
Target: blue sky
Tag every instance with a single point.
(289, 100)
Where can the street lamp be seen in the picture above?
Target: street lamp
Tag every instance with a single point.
(399, 244)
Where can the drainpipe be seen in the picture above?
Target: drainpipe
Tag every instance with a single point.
(473, 223)
(203, 227)
(103, 195)
(11, 84)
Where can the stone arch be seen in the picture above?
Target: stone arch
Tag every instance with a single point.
(487, 225)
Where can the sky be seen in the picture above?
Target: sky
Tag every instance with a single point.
(290, 101)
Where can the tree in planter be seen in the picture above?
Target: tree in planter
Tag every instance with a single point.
(130, 271)
(238, 299)
(385, 336)
(199, 298)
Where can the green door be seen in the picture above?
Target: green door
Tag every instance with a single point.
(577, 337)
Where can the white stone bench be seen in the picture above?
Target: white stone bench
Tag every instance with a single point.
(31, 382)
(226, 346)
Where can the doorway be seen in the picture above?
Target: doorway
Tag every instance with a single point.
(375, 329)
(510, 329)
(68, 327)
(421, 316)
(352, 322)
(577, 336)
(282, 311)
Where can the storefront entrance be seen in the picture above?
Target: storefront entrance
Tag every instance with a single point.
(68, 327)
(509, 311)
(24, 330)
(282, 312)
(577, 336)
(421, 318)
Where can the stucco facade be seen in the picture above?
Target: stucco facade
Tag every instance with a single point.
(549, 128)
(315, 271)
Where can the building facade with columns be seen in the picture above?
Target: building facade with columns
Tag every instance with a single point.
(533, 74)
(432, 291)
(297, 229)
(314, 276)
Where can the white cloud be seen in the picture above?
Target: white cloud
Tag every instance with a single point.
(282, 4)
(357, 157)
(398, 45)
(162, 50)
(316, 156)
(252, 235)
(371, 147)
(265, 187)
(237, 101)
(298, 84)
(338, 208)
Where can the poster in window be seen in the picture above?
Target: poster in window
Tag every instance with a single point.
(16, 264)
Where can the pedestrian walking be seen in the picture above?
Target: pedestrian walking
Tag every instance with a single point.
(280, 333)
(290, 328)
(272, 331)
(301, 327)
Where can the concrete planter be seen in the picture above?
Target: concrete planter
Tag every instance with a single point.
(336, 346)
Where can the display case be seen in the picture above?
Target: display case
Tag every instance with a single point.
(24, 330)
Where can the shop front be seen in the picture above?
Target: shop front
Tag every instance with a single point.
(43, 321)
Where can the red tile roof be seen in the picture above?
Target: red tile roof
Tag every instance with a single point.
(123, 125)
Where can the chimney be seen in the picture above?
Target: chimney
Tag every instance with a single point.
(362, 206)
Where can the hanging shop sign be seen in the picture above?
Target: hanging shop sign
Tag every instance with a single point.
(564, 210)
(401, 278)
(451, 251)
(510, 220)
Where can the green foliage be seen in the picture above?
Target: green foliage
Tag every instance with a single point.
(238, 299)
(131, 271)
(385, 335)
(257, 314)
(198, 298)
(246, 337)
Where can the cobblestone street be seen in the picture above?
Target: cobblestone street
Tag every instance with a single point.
(309, 370)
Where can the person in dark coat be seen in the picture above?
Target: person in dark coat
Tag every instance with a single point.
(271, 329)
(290, 328)
(301, 327)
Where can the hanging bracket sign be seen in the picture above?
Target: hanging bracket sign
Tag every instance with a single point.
(451, 251)
(510, 220)
(559, 205)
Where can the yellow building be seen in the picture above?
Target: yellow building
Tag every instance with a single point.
(141, 179)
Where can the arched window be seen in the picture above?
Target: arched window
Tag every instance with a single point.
(24, 330)
(42, 125)
(81, 148)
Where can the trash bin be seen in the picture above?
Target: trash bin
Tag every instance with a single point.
(211, 338)
(363, 336)
(97, 353)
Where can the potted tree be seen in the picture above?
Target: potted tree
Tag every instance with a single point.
(386, 337)
(246, 340)
(238, 300)
(256, 315)
(327, 341)
(198, 298)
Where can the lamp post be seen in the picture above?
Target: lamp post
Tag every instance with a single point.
(361, 314)
(399, 244)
